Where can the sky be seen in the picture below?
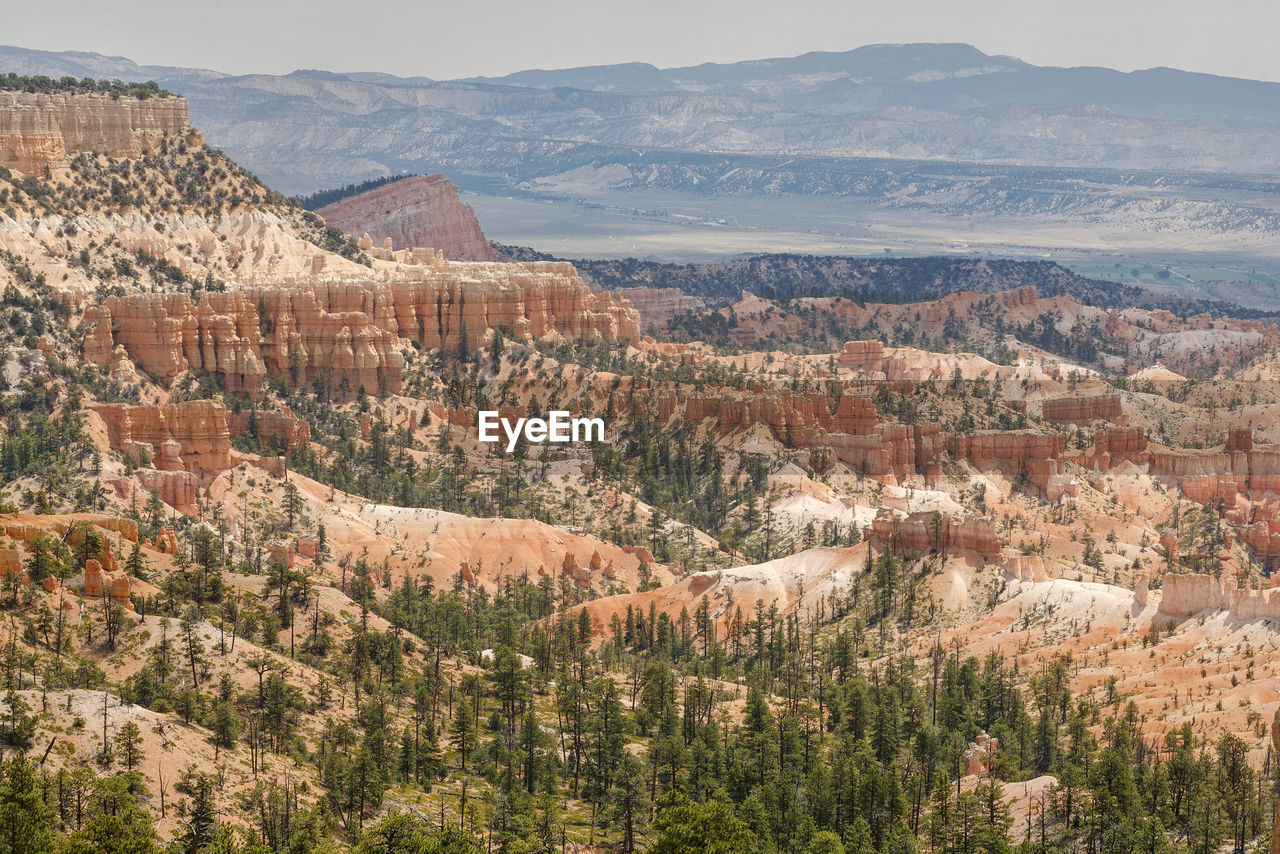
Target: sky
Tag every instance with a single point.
(494, 37)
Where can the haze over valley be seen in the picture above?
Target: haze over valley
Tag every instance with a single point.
(914, 148)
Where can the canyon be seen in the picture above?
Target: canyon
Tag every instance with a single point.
(241, 460)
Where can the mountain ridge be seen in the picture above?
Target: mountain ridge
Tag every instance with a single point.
(933, 150)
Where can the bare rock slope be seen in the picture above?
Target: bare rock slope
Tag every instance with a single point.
(423, 211)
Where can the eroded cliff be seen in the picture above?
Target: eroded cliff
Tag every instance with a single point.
(351, 335)
(41, 130)
(424, 210)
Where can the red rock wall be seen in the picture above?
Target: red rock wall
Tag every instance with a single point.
(658, 306)
(352, 335)
(922, 532)
(191, 436)
(861, 355)
(293, 431)
(1120, 442)
(1084, 410)
(424, 211)
(1027, 453)
(175, 488)
(1185, 596)
(1239, 439)
(854, 434)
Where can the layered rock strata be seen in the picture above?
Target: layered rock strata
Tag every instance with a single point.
(848, 428)
(286, 428)
(351, 335)
(1185, 596)
(659, 306)
(923, 532)
(178, 437)
(178, 489)
(1084, 409)
(1239, 467)
(424, 210)
(41, 130)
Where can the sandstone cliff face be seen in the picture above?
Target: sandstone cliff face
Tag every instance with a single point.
(291, 431)
(351, 334)
(1187, 595)
(906, 365)
(40, 130)
(1031, 454)
(423, 211)
(792, 418)
(1240, 467)
(1119, 443)
(849, 428)
(923, 532)
(191, 437)
(1084, 410)
(657, 306)
(175, 488)
(103, 574)
(99, 582)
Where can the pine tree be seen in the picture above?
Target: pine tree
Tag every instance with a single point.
(464, 733)
(225, 725)
(26, 822)
(129, 745)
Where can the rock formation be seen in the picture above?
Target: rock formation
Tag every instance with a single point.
(191, 436)
(1112, 445)
(40, 130)
(1241, 467)
(848, 427)
(794, 419)
(980, 753)
(658, 306)
(166, 540)
(175, 488)
(102, 570)
(351, 335)
(292, 432)
(424, 210)
(923, 532)
(26, 527)
(10, 563)
(281, 552)
(861, 355)
(1185, 596)
(872, 360)
(1084, 410)
(1033, 455)
(100, 581)
(1026, 567)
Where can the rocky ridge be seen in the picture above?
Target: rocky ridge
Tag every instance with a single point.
(351, 335)
(424, 210)
(38, 131)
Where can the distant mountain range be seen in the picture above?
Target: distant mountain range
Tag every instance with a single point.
(312, 129)
(1163, 159)
(948, 78)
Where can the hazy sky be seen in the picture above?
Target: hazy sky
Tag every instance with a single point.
(493, 37)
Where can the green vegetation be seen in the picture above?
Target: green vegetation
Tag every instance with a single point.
(753, 732)
(181, 176)
(320, 198)
(41, 84)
